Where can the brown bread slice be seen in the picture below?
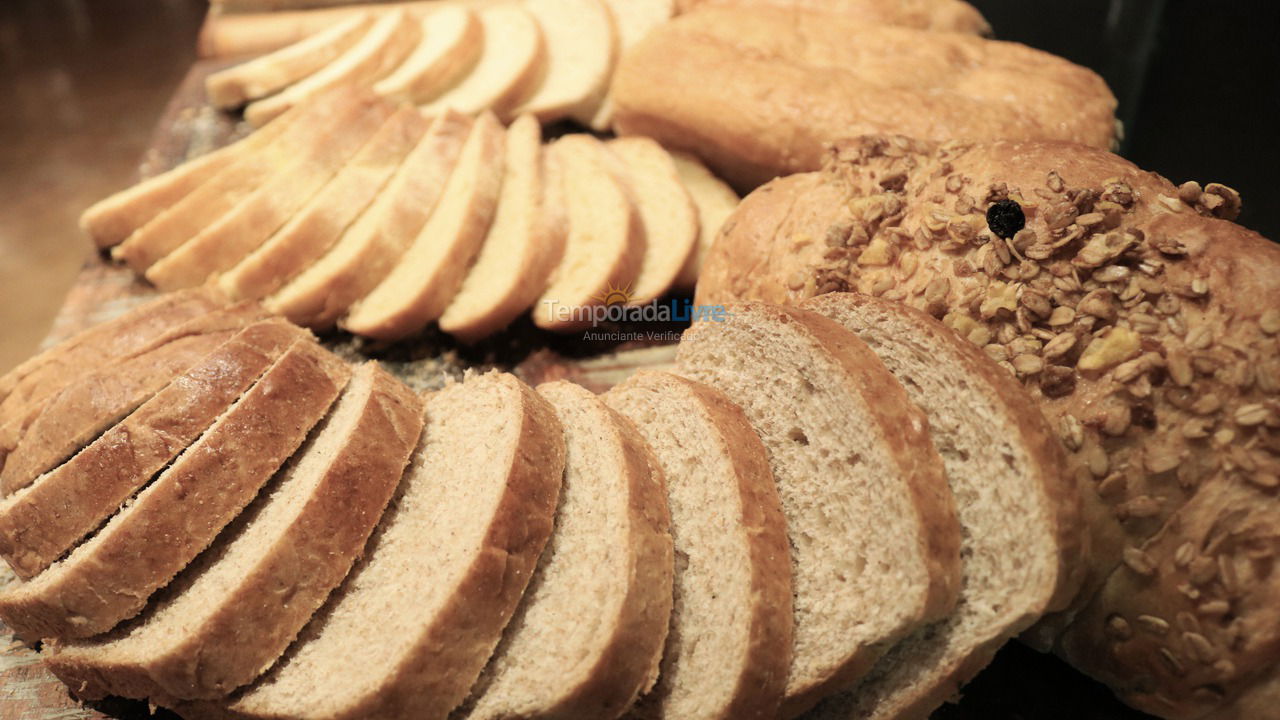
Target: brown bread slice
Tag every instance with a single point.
(1024, 545)
(412, 626)
(25, 388)
(874, 537)
(109, 578)
(84, 409)
(374, 243)
(729, 648)
(667, 211)
(524, 243)
(427, 276)
(315, 228)
(605, 245)
(243, 228)
(388, 41)
(203, 206)
(588, 635)
(275, 71)
(222, 622)
(110, 220)
(42, 522)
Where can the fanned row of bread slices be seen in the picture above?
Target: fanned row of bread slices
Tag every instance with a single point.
(552, 59)
(843, 505)
(349, 211)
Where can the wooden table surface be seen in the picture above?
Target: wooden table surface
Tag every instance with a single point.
(1020, 685)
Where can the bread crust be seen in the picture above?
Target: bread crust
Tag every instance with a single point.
(89, 405)
(109, 579)
(25, 388)
(1180, 399)
(1049, 470)
(251, 628)
(759, 92)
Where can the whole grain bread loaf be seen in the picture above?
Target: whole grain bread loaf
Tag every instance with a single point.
(758, 92)
(1142, 320)
(222, 622)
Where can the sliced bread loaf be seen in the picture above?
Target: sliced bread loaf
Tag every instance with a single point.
(729, 648)
(25, 388)
(605, 245)
(414, 623)
(874, 537)
(373, 244)
(424, 282)
(318, 225)
(524, 243)
(186, 218)
(275, 71)
(632, 20)
(715, 201)
(231, 614)
(507, 72)
(452, 39)
(89, 405)
(1023, 543)
(386, 44)
(42, 522)
(111, 220)
(667, 211)
(587, 637)
(581, 44)
(243, 228)
(110, 577)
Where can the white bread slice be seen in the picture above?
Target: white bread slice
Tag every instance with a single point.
(25, 389)
(588, 635)
(372, 245)
(729, 648)
(43, 521)
(111, 220)
(244, 228)
(668, 213)
(94, 402)
(412, 626)
(874, 537)
(275, 71)
(452, 40)
(605, 246)
(317, 226)
(1016, 497)
(581, 44)
(297, 541)
(632, 19)
(389, 40)
(715, 201)
(110, 578)
(523, 245)
(509, 69)
(429, 273)
(197, 210)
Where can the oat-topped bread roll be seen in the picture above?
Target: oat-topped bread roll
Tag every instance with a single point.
(758, 92)
(1144, 322)
(941, 15)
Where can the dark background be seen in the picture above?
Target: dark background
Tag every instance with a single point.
(1198, 83)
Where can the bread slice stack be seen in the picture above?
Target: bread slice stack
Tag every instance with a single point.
(346, 212)
(796, 517)
(553, 59)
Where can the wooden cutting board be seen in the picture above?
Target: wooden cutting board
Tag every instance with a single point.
(1021, 684)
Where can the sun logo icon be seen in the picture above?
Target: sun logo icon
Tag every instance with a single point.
(614, 295)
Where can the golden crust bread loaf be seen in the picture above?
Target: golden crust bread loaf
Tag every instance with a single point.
(757, 91)
(1146, 325)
